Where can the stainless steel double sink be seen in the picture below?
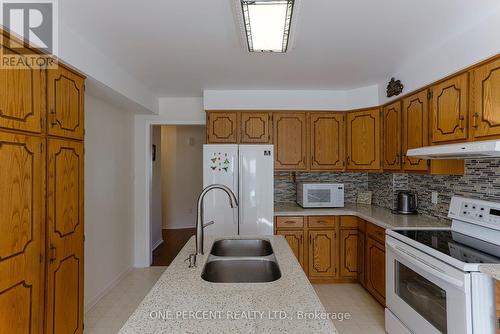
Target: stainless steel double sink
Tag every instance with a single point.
(241, 261)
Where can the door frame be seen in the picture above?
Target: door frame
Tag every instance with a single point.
(143, 186)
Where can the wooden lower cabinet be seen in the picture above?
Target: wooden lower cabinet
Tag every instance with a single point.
(322, 254)
(65, 237)
(296, 241)
(349, 253)
(375, 268)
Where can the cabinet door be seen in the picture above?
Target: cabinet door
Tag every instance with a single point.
(415, 129)
(363, 139)
(296, 241)
(327, 141)
(222, 127)
(65, 98)
(290, 141)
(22, 99)
(449, 104)
(322, 245)
(255, 128)
(65, 237)
(485, 110)
(361, 258)
(349, 253)
(391, 120)
(21, 234)
(375, 269)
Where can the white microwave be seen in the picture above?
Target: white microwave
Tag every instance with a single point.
(320, 195)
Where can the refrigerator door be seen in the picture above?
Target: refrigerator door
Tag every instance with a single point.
(220, 166)
(256, 187)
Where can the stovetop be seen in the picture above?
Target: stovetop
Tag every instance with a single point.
(456, 245)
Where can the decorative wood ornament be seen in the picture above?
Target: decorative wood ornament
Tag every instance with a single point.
(394, 88)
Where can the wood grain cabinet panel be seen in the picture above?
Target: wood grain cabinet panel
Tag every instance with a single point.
(327, 141)
(391, 122)
(349, 253)
(415, 129)
(65, 103)
(22, 99)
(363, 140)
(21, 233)
(290, 141)
(255, 128)
(288, 222)
(485, 109)
(449, 104)
(322, 254)
(361, 258)
(222, 127)
(295, 239)
(375, 268)
(65, 237)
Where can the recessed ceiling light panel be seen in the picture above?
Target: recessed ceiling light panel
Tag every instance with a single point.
(267, 24)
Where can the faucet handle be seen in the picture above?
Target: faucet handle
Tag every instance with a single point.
(208, 224)
(192, 260)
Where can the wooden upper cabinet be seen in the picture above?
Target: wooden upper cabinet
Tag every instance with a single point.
(448, 109)
(22, 99)
(65, 237)
(322, 254)
(222, 127)
(485, 109)
(290, 140)
(21, 233)
(327, 141)
(415, 129)
(255, 128)
(65, 102)
(363, 139)
(391, 122)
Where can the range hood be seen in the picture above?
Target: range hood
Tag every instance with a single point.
(474, 150)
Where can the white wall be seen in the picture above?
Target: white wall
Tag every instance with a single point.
(172, 111)
(290, 99)
(156, 199)
(109, 196)
(182, 173)
(465, 49)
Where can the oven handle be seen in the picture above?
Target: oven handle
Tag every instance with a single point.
(417, 261)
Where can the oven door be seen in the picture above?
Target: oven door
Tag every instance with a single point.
(425, 294)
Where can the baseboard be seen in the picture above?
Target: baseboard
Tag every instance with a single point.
(158, 243)
(107, 289)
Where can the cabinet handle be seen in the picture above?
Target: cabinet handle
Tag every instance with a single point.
(475, 124)
(310, 239)
(348, 160)
(53, 256)
(52, 117)
(301, 239)
(289, 222)
(462, 118)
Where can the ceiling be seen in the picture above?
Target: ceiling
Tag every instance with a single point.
(181, 47)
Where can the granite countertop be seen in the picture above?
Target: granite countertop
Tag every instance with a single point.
(182, 289)
(491, 269)
(374, 214)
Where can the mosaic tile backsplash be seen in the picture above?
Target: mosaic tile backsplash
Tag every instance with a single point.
(480, 180)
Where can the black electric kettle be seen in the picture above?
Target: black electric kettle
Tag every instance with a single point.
(407, 202)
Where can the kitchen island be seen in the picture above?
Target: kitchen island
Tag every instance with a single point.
(182, 302)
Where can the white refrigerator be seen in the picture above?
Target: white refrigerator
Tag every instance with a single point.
(248, 170)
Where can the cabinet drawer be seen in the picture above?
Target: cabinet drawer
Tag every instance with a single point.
(348, 222)
(321, 221)
(376, 232)
(289, 222)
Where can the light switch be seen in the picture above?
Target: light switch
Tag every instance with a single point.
(434, 198)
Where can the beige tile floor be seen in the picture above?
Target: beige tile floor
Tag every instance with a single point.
(111, 312)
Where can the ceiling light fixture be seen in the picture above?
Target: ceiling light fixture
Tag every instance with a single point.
(267, 24)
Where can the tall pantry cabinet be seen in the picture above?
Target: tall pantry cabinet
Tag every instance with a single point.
(41, 199)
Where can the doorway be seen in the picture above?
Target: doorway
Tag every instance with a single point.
(177, 180)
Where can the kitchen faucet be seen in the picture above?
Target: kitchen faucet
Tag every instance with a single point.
(233, 202)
